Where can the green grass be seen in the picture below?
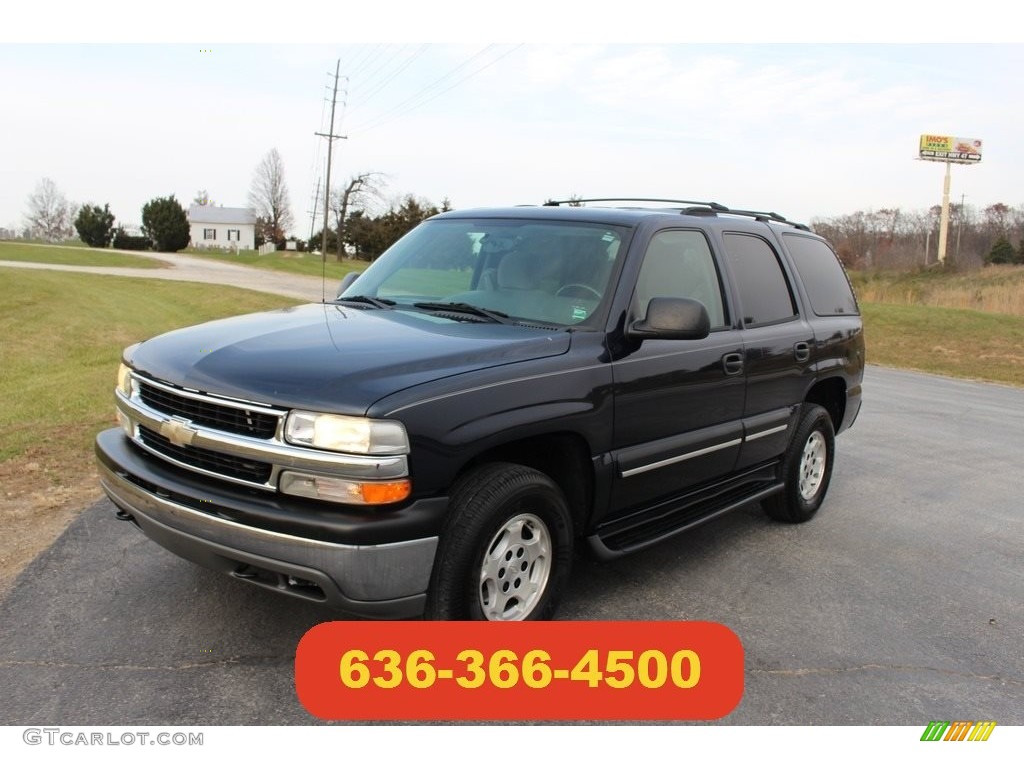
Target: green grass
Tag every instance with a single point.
(953, 342)
(61, 337)
(285, 261)
(85, 257)
(998, 289)
(965, 324)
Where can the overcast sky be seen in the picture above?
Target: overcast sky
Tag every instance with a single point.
(805, 128)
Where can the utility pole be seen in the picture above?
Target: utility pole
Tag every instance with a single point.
(312, 213)
(330, 136)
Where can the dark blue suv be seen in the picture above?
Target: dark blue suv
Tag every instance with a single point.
(500, 389)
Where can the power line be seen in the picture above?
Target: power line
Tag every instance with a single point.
(368, 59)
(411, 103)
(315, 164)
(404, 65)
(314, 168)
(435, 84)
(370, 75)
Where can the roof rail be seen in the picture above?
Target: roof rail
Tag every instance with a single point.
(712, 206)
(695, 208)
(770, 216)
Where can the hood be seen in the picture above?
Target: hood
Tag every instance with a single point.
(334, 358)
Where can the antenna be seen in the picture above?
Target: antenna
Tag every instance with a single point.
(312, 213)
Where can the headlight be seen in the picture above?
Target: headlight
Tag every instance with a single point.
(345, 434)
(124, 380)
(124, 387)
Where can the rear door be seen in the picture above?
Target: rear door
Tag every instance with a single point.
(778, 345)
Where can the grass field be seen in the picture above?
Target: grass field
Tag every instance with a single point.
(85, 257)
(61, 337)
(953, 342)
(285, 261)
(998, 289)
(967, 324)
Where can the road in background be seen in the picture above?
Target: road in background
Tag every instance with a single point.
(193, 269)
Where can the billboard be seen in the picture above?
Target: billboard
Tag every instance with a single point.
(951, 149)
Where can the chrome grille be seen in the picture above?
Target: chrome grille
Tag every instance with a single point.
(210, 461)
(238, 420)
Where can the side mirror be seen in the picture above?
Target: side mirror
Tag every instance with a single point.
(669, 318)
(346, 281)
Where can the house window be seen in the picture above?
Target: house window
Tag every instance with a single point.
(209, 234)
(234, 234)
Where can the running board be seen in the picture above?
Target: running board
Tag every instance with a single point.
(620, 539)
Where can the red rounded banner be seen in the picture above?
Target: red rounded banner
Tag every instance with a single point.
(557, 670)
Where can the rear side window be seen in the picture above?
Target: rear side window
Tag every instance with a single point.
(764, 291)
(822, 275)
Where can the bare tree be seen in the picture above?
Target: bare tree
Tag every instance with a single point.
(997, 219)
(269, 197)
(49, 213)
(356, 193)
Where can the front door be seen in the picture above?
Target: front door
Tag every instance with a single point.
(678, 404)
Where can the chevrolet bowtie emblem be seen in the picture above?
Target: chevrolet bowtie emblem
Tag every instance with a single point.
(178, 431)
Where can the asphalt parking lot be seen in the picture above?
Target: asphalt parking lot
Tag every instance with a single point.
(901, 603)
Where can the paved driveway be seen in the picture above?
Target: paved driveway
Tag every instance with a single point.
(196, 270)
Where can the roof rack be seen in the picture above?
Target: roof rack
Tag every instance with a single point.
(770, 216)
(695, 208)
(712, 206)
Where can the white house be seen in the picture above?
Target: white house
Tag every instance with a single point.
(214, 226)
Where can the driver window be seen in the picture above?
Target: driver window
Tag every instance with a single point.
(678, 264)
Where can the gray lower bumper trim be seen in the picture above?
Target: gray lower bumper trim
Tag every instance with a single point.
(380, 572)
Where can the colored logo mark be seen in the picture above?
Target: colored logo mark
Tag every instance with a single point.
(958, 730)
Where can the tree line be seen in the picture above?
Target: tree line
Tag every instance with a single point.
(352, 229)
(886, 238)
(892, 238)
(51, 217)
(366, 236)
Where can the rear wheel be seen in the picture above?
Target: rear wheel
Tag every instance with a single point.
(506, 549)
(806, 468)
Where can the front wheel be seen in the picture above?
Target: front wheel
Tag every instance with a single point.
(806, 468)
(506, 549)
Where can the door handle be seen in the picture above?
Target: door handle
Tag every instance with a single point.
(802, 351)
(732, 363)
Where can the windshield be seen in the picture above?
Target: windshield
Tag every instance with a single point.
(556, 273)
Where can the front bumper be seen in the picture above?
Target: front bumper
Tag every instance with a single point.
(336, 559)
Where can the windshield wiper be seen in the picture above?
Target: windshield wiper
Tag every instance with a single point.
(371, 300)
(470, 309)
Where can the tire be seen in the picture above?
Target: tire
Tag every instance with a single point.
(806, 468)
(506, 550)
